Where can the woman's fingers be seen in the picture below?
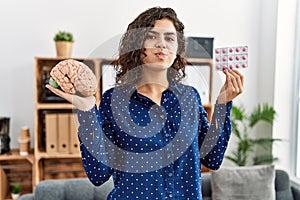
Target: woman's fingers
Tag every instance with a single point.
(60, 93)
(237, 81)
(81, 103)
(233, 86)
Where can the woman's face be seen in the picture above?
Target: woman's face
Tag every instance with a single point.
(160, 45)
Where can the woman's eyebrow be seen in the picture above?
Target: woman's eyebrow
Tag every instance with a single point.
(166, 33)
(170, 33)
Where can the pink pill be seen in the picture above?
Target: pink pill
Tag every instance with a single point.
(230, 50)
(231, 66)
(218, 59)
(224, 51)
(231, 58)
(224, 59)
(244, 49)
(244, 65)
(224, 67)
(237, 66)
(244, 57)
(237, 58)
(217, 51)
(237, 50)
(218, 67)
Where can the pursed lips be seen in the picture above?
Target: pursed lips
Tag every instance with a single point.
(161, 54)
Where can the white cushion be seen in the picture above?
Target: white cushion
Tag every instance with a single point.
(244, 183)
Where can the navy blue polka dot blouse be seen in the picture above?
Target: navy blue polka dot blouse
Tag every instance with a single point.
(152, 151)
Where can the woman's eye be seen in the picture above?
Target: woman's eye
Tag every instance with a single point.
(150, 37)
(170, 39)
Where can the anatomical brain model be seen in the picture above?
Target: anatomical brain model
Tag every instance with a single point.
(73, 76)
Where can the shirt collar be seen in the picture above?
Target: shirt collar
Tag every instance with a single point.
(175, 87)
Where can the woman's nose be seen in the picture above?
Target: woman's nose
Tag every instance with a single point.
(160, 43)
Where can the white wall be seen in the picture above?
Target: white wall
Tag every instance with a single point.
(27, 29)
(284, 87)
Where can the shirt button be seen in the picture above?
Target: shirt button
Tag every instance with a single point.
(167, 134)
(162, 116)
(170, 174)
(171, 195)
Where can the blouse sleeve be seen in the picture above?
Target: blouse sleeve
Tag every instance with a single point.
(214, 137)
(93, 146)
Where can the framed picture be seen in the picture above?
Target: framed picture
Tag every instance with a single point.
(107, 76)
(198, 76)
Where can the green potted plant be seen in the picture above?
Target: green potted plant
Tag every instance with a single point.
(64, 42)
(15, 191)
(242, 122)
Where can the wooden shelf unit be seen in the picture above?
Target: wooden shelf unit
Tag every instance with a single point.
(54, 164)
(15, 155)
(15, 168)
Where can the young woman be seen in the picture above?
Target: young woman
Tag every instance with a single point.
(148, 129)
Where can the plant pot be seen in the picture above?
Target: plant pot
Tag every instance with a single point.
(63, 49)
(15, 196)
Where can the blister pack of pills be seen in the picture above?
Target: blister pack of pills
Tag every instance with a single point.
(231, 57)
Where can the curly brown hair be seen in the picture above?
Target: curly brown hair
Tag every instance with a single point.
(132, 46)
